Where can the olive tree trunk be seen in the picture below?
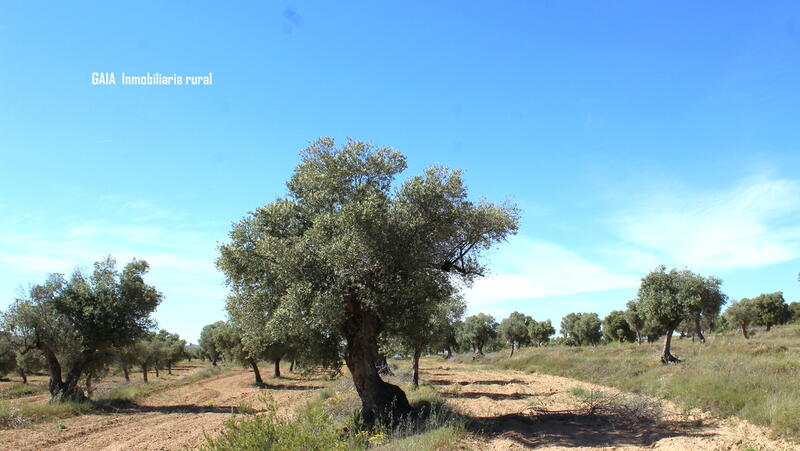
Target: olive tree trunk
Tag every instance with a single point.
(698, 330)
(256, 372)
(380, 401)
(744, 332)
(144, 373)
(65, 389)
(415, 379)
(125, 372)
(277, 367)
(512, 351)
(666, 356)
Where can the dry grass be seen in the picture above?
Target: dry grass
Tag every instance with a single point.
(757, 379)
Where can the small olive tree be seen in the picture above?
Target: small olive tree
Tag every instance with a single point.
(669, 297)
(208, 342)
(514, 330)
(771, 309)
(741, 315)
(616, 327)
(540, 332)
(583, 328)
(635, 319)
(479, 330)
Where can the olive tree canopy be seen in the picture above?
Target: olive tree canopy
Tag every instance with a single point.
(346, 252)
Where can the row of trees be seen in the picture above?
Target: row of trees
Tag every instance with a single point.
(764, 310)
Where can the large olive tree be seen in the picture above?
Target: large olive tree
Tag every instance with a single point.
(346, 251)
(71, 321)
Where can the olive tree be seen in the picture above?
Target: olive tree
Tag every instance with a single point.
(704, 300)
(478, 330)
(8, 355)
(228, 341)
(771, 309)
(340, 250)
(669, 297)
(635, 319)
(208, 342)
(172, 349)
(742, 314)
(433, 324)
(616, 327)
(71, 321)
(514, 330)
(583, 328)
(540, 332)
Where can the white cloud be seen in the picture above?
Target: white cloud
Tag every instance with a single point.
(536, 269)
(754, 224)
(181, 257)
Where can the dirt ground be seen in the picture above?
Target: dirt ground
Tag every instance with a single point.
(509, 410)
(173, 418)
(514, 410)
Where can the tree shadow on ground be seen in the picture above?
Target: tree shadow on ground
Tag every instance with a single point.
(580, 429)
(492, 396)
(131, 408)
(289, 387)
(462, 383)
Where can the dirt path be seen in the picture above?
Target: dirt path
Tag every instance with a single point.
(515, 410)
(174, 418)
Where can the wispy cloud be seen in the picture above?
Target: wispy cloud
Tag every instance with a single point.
(537, 269)
(181, 257)
(753, 224)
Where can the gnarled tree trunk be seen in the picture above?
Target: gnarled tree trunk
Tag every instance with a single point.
(67, 389)
(89, 383)
(666, 356)
(144, 373)
(415, 379)
(744, 331)
(382, 364)
(512, 351)
(277, 367)
(125, 372)
(698, 330)
(256, 372)
(380, 401)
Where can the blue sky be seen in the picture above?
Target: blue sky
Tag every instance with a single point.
(630, 133)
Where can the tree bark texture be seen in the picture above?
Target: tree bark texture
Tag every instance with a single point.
(666, 356)
(380, 401)
(256, 372)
